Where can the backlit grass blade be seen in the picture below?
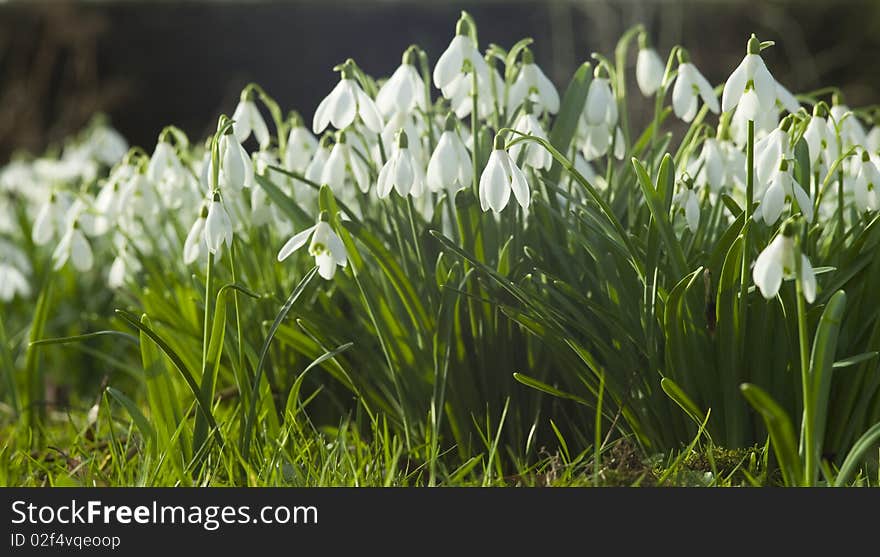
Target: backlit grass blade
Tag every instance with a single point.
(781, 432)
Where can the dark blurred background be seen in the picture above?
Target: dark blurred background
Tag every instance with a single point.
(148, 63)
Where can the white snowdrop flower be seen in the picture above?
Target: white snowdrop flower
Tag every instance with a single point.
(596, 141)
(194, 246)
(346, 101)
(163, 160)
(246, 119)
(401, 173)
(852, 132)
(326, 247)
(18, 176)
(400, 121)
(600, 107)
(770, 150)
(404, 90)
(50, 219)
(107, 145)
(500, 176)
(690, 86)
(344, 165)
(649, 68)
(872, 140)
(218, 226)
(783, 188)
(319, 159)
(12, 283)
(452, 63)
(301, 146)
(751, 76)
(688, 201)
(76, 248)
(124, 265)
(535, 156)
(866, 183)
(236, 168)
(777, 262)
(713, 173)
(450, 166)
(821, 138)
(531, 83)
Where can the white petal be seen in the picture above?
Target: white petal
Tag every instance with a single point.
(326, 265)
(494, 183)
(296, 242)
(450, 62)
(765, 85)
(368, 111)
(773, 202)
(43, 226)
(80, 252)
(241, 125)
(735, 86)
(767, 272)
(649, 71)
(519, 185)
(195, 238)
(692, 212)
(804, 201)
(385, 182)
(705, 88)
(808, 280)
(261, 131)
(786, 99)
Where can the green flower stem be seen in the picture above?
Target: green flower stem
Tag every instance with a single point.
(840, 206)
(750, 194)
(474, 127)
(415, 236)
(808, 428)
(207, 328)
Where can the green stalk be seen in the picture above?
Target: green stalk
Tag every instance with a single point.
(207, 328)
(840, 222)
(415, 236)
(810, 462)
(237, 312)
(6, 360)
(474, 138)
(750, 193)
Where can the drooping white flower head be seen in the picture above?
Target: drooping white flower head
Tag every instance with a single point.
(690, 86)
(401, 172)
(600, 107)
(777, 262)
(326, 247)
(50, 220)
(218, 226)
(852, 133)
(821, 138)
(688, 201)
(107, 145)
(750, 87)
(345, 102)
(236, 167)
(344, 166)
(771, 149)
(866, 184)
(74, 247)
(462, 55)
(499, 178)
(194, 247)
(531, 83)
(404, 91)
(450, 166)
(649, 68)
(783, 188)
(247, 119)
(301, 145)
(535, 155)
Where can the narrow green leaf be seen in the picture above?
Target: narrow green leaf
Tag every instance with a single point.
(141, 421)
(781, 432)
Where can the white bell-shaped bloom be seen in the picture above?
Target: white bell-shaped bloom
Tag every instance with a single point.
(535, 155)
(401, 172)
(752, 76)
(852, 133)
(195, 247)
(13, 283)
(300, 148)
(596, 141)
(461, 52)
(777, 262)
(865, 186)
(246, 119)
(404, 90)
(688, 201)
(872, 140)
(76, 248)
(821, 139)
(533, 84)
(649, 71)
(107, 145)
(236, 168)
(600, 107)
(319, 159)
(690, 86)
(499, 178)
(51, 218)
(770, 150)
(218, 226)
(326, 247)
(406, 122)
(786, 100)
(459, 91)
(124, 265)
(709, 168)
(346, 101)
(450, 166)
(344, 165)
(783, 188)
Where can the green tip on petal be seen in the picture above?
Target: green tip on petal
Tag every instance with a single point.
(204, 212)
(326, 140)
(449, 124)
(216, 196)
(783, 165)
(866, 156)
(754, 45)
